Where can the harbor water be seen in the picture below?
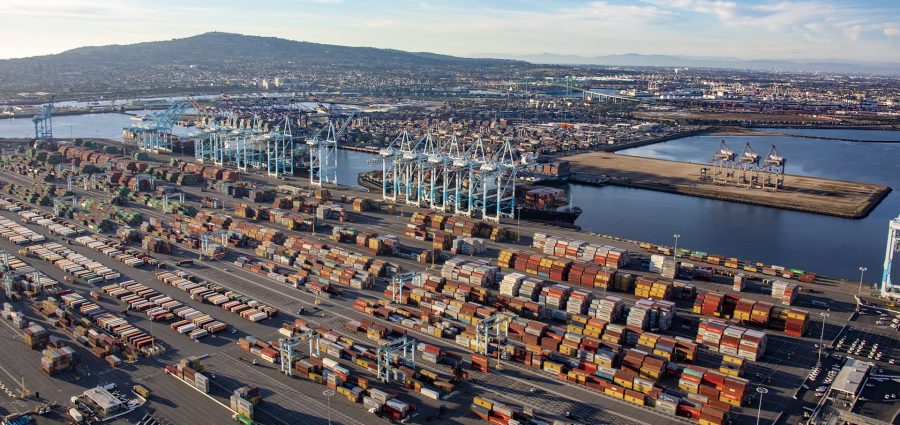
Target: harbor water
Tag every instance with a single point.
(105, 125)
(822, 244)
(826, 245)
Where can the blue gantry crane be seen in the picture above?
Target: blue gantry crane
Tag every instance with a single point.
(156, 134)
(43, 121)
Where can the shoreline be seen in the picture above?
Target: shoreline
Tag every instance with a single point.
(815, 195)
(753, 132)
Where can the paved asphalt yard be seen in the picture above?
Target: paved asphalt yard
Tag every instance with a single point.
(290, 400)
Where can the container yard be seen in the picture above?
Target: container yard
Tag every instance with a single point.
(272, 298)
(809, 194)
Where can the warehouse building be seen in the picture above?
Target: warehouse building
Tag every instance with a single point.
(849, 382)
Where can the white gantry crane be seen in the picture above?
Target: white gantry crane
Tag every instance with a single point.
(395, 167)
(167, 206)
(723, 161)
(439, 161)
(469, 180)
(323, 162)
(58, 202)
(247, 144)
(773, 170)
(499, 192)
(445, 177)
(893, 245)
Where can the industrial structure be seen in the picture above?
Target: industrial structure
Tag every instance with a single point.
(568, 85)
(403, 346)
(323, 162)
(748, 163)
(755, 171)
(494, 327)
(62, 200)
(723, 162)
(155, 133)
(287, 348)
(445, 177)
(43, 121)
(263, 137)
(246, 144)
(893, 245)
(773, 170)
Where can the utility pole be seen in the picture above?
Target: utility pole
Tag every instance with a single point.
(822, 334)
(862, 271)
(675, 250)
(328, 393)
(762, 391)
(518, 223)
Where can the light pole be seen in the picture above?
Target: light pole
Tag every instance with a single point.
(762, 391)
(862, 271)
(675, 250)
(328, 394)
(518, 221)
(822, 334)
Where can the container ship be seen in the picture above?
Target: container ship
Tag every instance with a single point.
(549, 205)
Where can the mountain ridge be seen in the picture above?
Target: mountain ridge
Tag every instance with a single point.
(225, 58)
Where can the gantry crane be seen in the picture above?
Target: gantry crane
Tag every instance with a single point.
(141, 177)
(394, 167)
(156, 134)
(773, 169)
(209, 236)
(399, 280)
(78, 180)
(43, 121)
(723, 164)
(288, 349)
(494, 327)
(404, 345)
(455, 173)
(323, 152)
(469, 180)
(440, 176)
(438, 163)
(748, 163)
(97, 177)
(166, 197)
(9, 275)
(280, 150)
(59, 201)
(888, 290)
(499, 175)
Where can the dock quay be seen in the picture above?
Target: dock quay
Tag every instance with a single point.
(808, 194)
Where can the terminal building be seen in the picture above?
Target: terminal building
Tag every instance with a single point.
(849, 382)
(104, 401)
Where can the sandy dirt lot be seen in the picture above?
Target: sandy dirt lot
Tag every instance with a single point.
(817, 195)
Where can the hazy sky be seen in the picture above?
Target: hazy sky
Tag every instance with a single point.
(778, 29)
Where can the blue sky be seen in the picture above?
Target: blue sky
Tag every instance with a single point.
(859, 30)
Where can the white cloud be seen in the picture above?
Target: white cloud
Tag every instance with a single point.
(800, 17)
(736, 28)
(70, 8)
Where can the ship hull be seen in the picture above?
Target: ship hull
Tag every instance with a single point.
(567, 217)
